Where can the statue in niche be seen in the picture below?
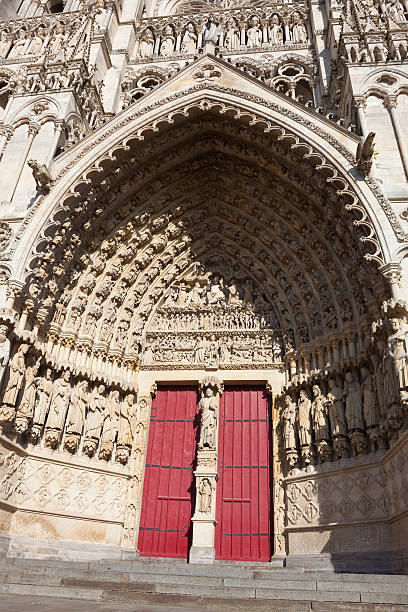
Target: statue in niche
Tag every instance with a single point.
(125, 433)
(370, 406)
(288, 421)
(100, 17)
(275, 31)
(189, 42)
(168, 42)
(37, 44)
(194, 298)
(254, 34)
(76, 416)
(4, 351)
(319, 415)
(390, 386)
(211, 32)
(19, 46)
(352, 394)
(208, 406)
(335, 404)
(205, 491)
(299, 34)
(96, 411)
(14, 383)
(25, 409)
(232, 37)
(5, 44)
(44, 387)
(146, 46)
(395, 10)
(110, 425)
(304, 406)
(58, 40)
(215, 293)
(398, 349)
(59, 401)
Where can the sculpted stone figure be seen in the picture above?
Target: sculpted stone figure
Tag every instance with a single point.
(211, 32)
(299, 34)
(41, 175)
(304, 406)
(254, 34)
(189, 42)
(76, 416)
(288, 420)
(168, 42)
(5, 44)
(37, 43)
(14, 383)
(336, 409)
(126, 423)
(205, 491)
(194, 297)
(4, 351)
(370, 406)
(59, 401)
(146, 46)
(110, 425)
(275, 31)
(208, 406)
(96, 411)
(44, 387)
(20, 45)
(352, 394)
(25, 409)
(319, 415)
(232, 36)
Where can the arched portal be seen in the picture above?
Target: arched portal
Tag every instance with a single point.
(208, 240)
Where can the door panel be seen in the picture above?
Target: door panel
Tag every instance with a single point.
(243, 530)
(165, 522)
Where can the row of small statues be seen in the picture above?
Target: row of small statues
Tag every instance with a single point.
(356, 406)
(229, 35)
(214, 320)
(214, 351)
(60, 410)
(43, 40)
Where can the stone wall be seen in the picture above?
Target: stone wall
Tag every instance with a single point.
(356, 508)
(45, 497)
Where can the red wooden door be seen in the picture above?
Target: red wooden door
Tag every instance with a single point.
(243, 530)
(165, 522)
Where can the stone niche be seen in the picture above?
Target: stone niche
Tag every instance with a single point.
(351, 514)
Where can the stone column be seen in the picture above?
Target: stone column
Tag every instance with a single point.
(390, 104)
(32, 132)
(202, 550)
(139, 420)
(361, 105)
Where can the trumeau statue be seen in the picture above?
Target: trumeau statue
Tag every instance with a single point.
(208, 406)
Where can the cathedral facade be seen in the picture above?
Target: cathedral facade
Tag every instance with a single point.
(203, 280)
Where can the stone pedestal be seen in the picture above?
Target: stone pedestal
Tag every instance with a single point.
(202, 550)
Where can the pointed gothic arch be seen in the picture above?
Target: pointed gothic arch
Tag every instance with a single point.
(303, 246)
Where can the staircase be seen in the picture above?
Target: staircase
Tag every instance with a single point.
(220, 587)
